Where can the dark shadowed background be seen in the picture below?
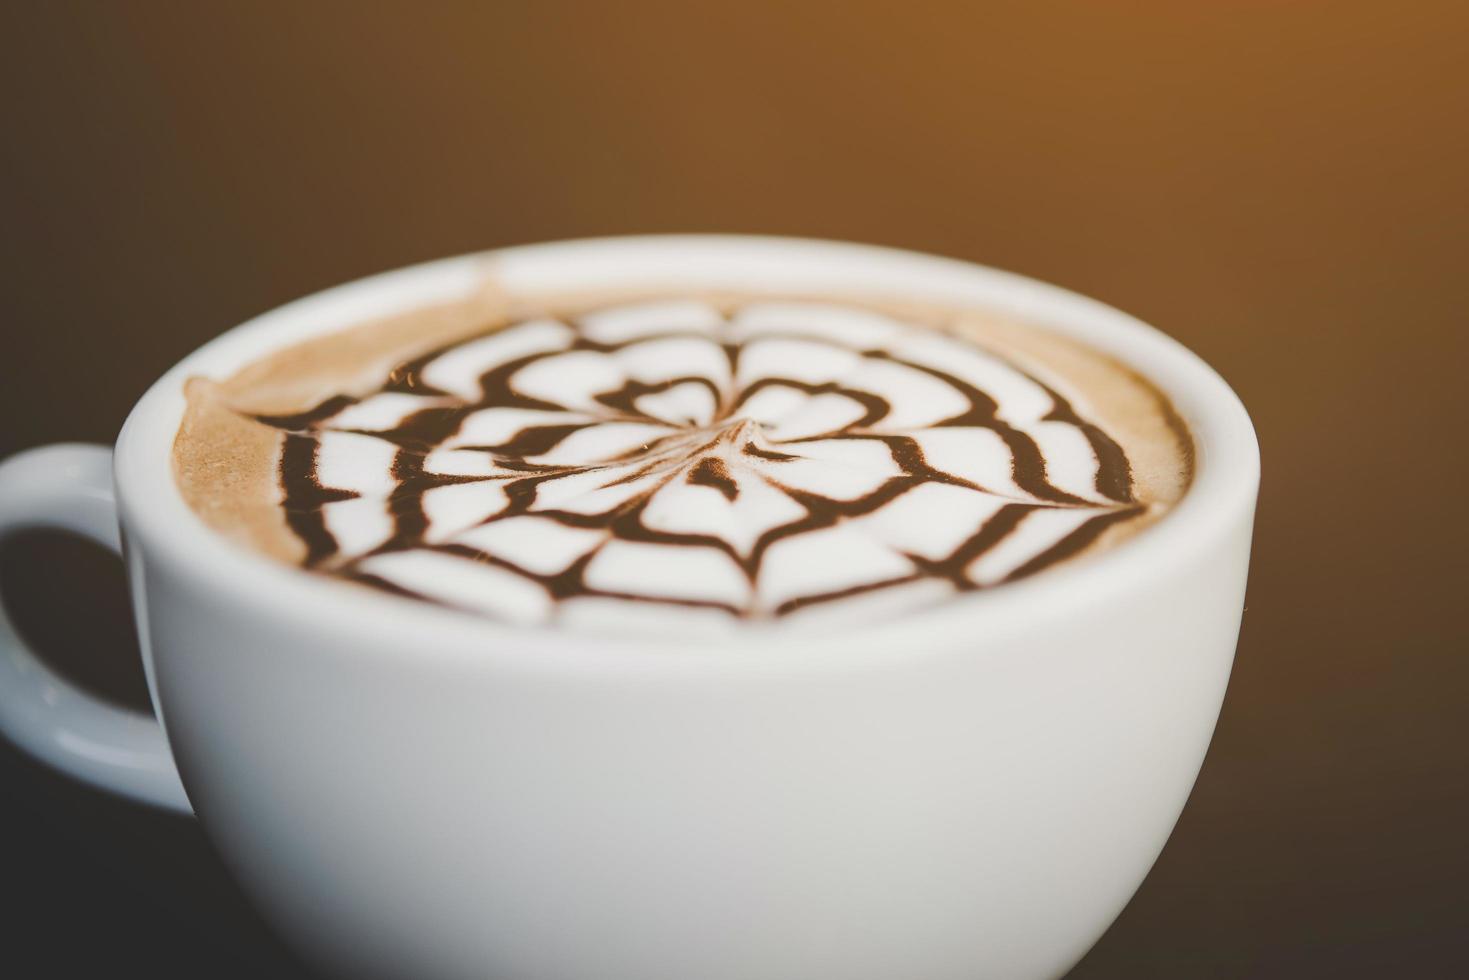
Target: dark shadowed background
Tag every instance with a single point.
(1280, 185)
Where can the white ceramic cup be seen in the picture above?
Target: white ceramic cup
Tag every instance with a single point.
(970, 791)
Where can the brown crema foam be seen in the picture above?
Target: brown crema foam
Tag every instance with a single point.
(227, 464)
(246, 455)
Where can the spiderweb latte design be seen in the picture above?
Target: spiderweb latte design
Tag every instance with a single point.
(751, 458)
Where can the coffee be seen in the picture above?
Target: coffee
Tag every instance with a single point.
(677, 457)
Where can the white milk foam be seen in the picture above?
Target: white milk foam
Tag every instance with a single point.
(786, 457)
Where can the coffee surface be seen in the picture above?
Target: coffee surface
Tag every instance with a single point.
(681, 458)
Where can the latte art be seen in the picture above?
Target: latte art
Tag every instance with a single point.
(679, 456)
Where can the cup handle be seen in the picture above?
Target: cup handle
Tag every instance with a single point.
(69, 487)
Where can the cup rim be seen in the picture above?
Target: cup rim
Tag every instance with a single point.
(1226, 473)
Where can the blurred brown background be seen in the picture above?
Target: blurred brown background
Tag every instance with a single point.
(1280, 185)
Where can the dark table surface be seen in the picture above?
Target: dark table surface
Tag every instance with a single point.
(1280, 186)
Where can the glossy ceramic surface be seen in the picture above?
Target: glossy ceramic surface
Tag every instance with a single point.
(974, 791)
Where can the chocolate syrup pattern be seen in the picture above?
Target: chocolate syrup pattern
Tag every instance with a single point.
(723, 452)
